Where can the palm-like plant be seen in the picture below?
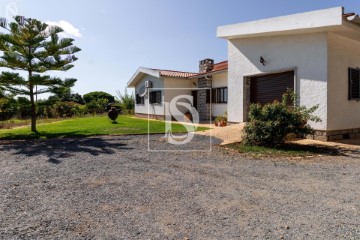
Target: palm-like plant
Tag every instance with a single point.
(34, 47)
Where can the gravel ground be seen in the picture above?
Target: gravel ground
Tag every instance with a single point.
(113, 188)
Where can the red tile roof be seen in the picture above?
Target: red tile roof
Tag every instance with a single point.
(218, 67)
(176, 74)
(221, 66)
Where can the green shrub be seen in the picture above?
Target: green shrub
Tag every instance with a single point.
(60, 109)
(95, 96)
(97, 106)
(270, 124)
(24, 108)
(126, 102)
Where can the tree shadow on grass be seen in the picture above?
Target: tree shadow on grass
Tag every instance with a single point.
(59, 149)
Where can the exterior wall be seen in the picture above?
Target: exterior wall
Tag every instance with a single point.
(343, 53)
(306, 53)
(178, 87)
(219, 80)
(152, 109)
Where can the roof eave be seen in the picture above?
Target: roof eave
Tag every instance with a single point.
(208, 74)
(139, 74)
(316, 21)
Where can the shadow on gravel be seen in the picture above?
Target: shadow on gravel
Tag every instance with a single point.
(56, 149)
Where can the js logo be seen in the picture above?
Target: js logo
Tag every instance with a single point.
(176, 109)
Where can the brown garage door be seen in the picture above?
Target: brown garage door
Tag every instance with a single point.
(268, 88)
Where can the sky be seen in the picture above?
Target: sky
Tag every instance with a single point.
(119, 36)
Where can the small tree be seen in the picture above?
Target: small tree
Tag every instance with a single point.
(34, 47)
(94, 96)
(270, 124)
(126, 102)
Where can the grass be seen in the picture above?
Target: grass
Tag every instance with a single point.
(11, 123)
(91, 126)
(286, 150)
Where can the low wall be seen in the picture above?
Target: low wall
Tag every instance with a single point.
(335, 135)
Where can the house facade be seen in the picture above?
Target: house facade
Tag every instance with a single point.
(208, 88)
(317, 54)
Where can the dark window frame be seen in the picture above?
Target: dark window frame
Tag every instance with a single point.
(155, 97)
(218, 95)
(222, 95)
(354, 84)
(140, 100)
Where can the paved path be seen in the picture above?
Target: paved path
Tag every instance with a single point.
(228, 134)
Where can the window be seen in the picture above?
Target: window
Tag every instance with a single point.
(155, 97)
(218, 95)
(354, 84)
(221, 95)
(139, 100)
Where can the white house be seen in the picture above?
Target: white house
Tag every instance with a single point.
(315, 53)
(167, 84)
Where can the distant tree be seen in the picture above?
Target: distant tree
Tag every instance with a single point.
(94, 96)
(24, 108)
(126, 102)
(8, 106)
(64, 94)
(34, 47)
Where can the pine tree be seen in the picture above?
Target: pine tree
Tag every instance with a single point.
(34, 47)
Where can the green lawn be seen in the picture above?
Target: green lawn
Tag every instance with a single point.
(92, 126)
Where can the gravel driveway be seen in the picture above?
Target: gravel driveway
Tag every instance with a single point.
(113, 188)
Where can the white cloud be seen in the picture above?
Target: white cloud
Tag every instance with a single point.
(69, 29)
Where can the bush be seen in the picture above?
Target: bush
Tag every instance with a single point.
(95, 96)
(126, 102)
(24, 108)
(269, 125)
(60, 109)
(97, 106)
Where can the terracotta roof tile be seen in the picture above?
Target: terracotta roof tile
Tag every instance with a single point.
(172, 73)
(218, 67)
(177, 74)
(221, 66)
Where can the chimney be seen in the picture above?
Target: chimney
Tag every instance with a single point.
(206, 65)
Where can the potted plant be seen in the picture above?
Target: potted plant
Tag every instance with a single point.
(187, 116)
(113, 114)
(221, 120)
(224, 120)
(218, 121)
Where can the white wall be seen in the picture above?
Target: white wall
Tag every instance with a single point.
(175, 87)
(219, 80)
(307, 53)
(343, 53)
(156, 109)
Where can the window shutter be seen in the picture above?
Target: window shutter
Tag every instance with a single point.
(354, 83)
(213, 96)
(155, 97)
(225, 95)
(158, 97)
(207, 95)
(152, 97)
